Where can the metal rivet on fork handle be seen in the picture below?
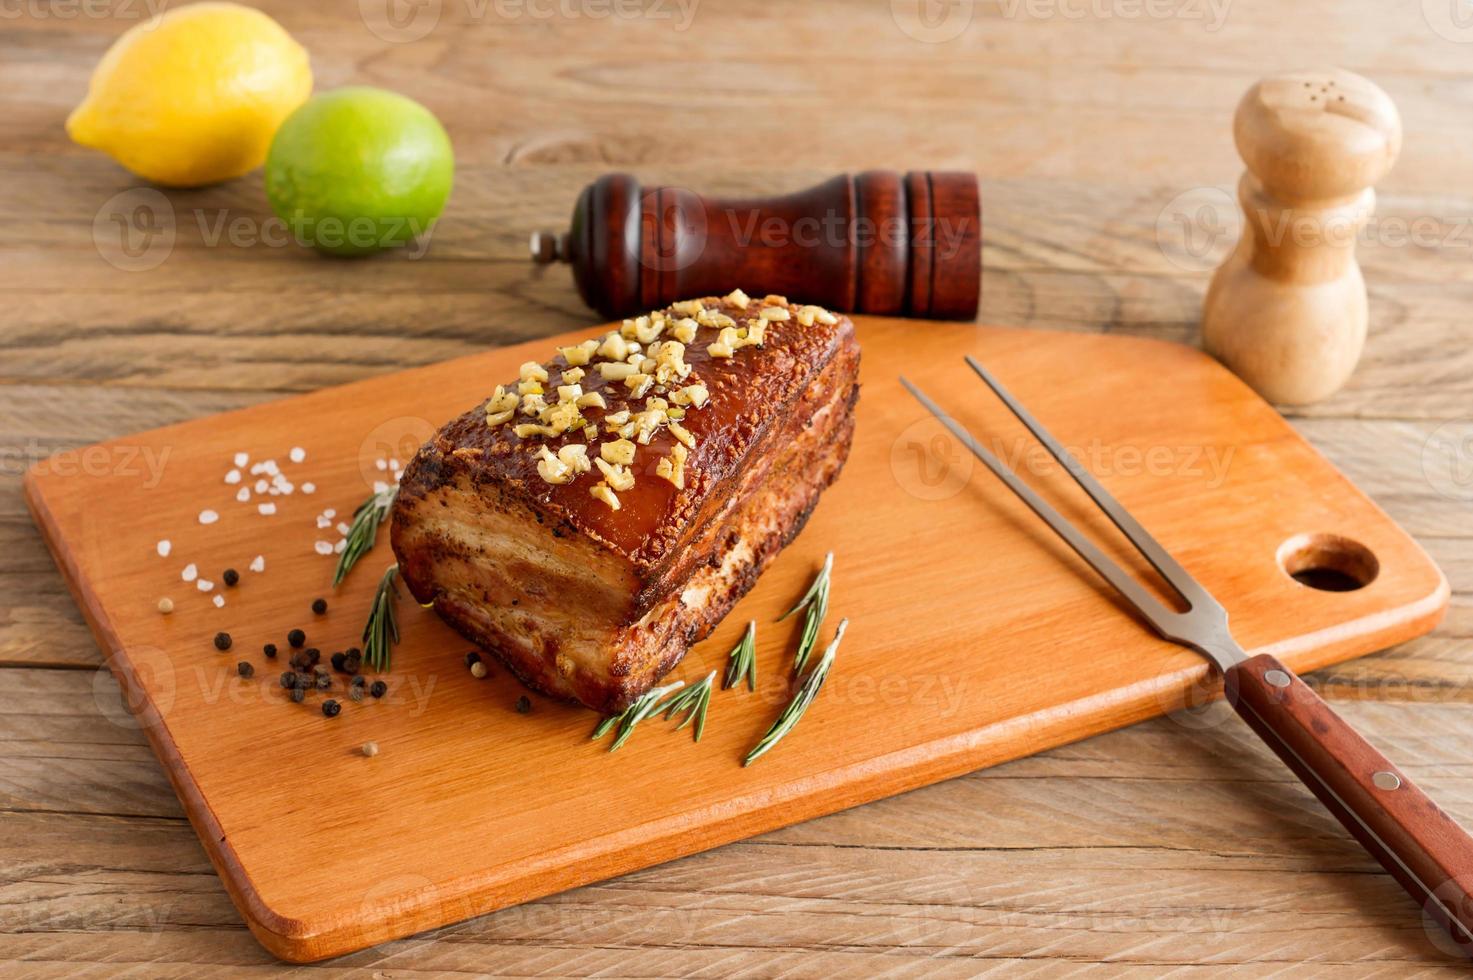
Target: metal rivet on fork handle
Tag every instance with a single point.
(1386, 780)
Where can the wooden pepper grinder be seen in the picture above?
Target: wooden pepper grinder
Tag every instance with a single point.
(875, 242)
(1287, 310)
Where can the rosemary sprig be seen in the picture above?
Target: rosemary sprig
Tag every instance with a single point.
(816, 601)
(694, 702)
(802, 698)
(642, 708)
(363, 531)
(382, 630)
(742, 661)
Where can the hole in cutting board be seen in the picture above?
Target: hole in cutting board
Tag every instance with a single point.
(1328, 562)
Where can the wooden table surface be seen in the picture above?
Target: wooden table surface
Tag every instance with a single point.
(1101, 132)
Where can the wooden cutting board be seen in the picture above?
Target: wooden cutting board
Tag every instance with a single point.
(975, 636)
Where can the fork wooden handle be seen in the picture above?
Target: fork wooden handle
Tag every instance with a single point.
(1420, 845)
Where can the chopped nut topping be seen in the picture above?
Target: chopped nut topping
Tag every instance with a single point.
(672, 467)
(569, 393)
(684, 330)
(638, 384)
(533, 404)
(683, 434)
(532, 371)
(695, 395)
(737, 298)
(720, 350)
(528, 429)
(614, 347)
(774, 313)
(618, 477)
(613, 371)
(772, 299)
(530, 387)
(620, 451)
(580, 353)
(808, 314)
(494, 419)
(573, 375)
(690, 307)
(591, 399)
(602, 492)
(551, 469)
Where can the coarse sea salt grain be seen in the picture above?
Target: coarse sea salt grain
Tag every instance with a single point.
(323, 521)
(233, 476)
(262, 486)
(242, 458)
(382, 464)
(297, 454)
(208, 517)
(323, 547)
(165, 546)
(343, 528)
(379, 486)
(258, 564)
(266, 509)
(243, 494)
(340, 547)
(204, 584)
(219, 601)
(190, 573)
(309, 488)
(330, 513)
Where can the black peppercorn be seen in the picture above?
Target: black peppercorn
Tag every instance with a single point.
(298, 695)
(354, 652)
(231, 576)
(222, 642)
(352, 662)
(319, 606)
(314, 655)
(320, 670)
(524, 704)
(288, 679)
(379, 689)
(356, 693)
(244, 669)
(299, 660)
(472, 658)
(330, 708)
(269, 650)
(296, 638)
(337, 660)
(359, 680)
(323, 682)
(301, 680)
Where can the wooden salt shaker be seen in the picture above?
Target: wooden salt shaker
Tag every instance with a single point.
(1287, 310)
(875, 242)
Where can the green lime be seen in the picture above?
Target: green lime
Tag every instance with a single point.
(359, 169)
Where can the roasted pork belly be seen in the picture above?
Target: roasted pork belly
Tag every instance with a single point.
(597, 517)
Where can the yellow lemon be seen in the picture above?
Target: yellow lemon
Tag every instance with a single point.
(195, 96)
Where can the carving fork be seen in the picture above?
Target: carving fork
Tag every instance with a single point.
(1421, 846)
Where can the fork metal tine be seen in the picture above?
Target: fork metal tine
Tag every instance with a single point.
(1170, 569)
(1155, 613)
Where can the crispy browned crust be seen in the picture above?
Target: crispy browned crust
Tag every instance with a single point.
(501, 552)
(749, 393)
